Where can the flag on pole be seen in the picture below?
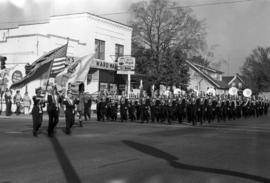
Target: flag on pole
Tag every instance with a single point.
(76, 72)
(42, 66)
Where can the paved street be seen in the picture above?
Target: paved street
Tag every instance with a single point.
(113, 152)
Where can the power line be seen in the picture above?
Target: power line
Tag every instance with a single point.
(190, 6)
(213, 4)
(128, 12)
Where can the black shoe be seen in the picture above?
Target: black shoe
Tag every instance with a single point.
(81, 125)
(35, 134)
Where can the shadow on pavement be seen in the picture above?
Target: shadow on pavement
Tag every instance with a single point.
(172, 160)
(69, 171)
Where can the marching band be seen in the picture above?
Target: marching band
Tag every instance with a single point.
(192, 108)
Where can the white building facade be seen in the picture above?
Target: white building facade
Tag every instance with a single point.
(86, 34)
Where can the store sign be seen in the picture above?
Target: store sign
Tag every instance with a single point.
(16, 76)
(126, 65)
(99, 64)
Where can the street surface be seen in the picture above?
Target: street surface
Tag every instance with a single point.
(113, 152)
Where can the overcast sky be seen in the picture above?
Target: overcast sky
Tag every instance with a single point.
(236, 28)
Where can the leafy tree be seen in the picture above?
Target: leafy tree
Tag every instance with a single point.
(161, 31)
(256, 69)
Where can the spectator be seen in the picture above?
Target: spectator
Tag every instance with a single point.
(26, 103)
(17, 101)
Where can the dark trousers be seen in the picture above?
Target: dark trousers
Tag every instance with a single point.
(37, 119)
(53, 120)
(87, 113)
(18, 111)
(70, 119)
(8, 108)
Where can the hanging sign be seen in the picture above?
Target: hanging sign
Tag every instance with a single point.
(126, 65)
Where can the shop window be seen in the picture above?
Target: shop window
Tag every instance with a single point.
(99, 49)
(119, 50)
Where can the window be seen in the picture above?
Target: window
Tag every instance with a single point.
(99, 49)
(119, 50)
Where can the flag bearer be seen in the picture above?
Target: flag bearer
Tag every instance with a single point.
(37, 111)
(69, 108)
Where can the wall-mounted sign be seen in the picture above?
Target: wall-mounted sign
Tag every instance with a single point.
(99, 64)
(16, 76)
(125, 65)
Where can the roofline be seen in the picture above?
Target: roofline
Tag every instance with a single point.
(208, 68)
(59, 15)
(237, 76)
(208, 78)
(70, 14)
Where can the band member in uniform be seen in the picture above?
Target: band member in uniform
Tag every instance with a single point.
(131, 110)
(123, 109)
(87, 107)
(138, 109)
(69, 108)
(53, 109)
(114, 108)
(153, 110)
(218, 110)
(80, 103)
(199, 108)
(180, 110)
(145, 110)
(37, 111)
(170, 111)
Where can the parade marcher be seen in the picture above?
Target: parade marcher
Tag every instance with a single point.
(180, 110)
(80, 103)
(53, 109)
(209, 112)
(87, 107)
(219, 110)
(69, 108)
(17, 101)
(145, 111)
(123, 109)
(26, 103)
(138, 109)
(163, 111)
(199, 109)
(131, 110)
(114, 107)
(153, 110)
(170, 111)
(8, 102)
(37, 111)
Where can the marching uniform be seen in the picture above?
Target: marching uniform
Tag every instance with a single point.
(53, 109)
(37, 111)
(69, 108)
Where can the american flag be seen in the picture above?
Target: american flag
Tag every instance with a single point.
(51, 63)
(58, 65)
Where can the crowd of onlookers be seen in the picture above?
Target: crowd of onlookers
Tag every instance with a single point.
(22, 102)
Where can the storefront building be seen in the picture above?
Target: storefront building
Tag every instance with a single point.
(85, 33)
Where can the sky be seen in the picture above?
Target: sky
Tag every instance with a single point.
(234, 28)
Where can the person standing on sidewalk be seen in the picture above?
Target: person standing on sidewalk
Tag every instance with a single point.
(26, 103)
(8, 102)
(17, 101)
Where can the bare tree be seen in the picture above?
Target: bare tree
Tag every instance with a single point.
(163, 27)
